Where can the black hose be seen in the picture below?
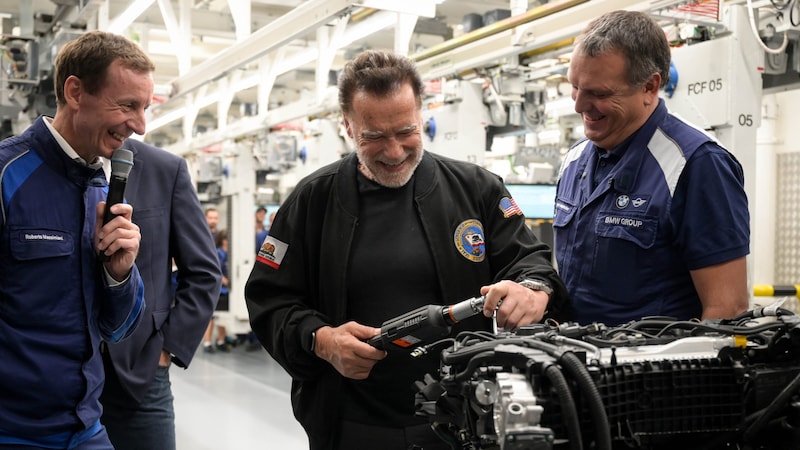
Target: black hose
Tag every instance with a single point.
(758, 312)
(573, 365)
(577, 370)
(473, 364)
(450, 357)
(567, 403)
(453, 357)
(769, 411)
(449, 437)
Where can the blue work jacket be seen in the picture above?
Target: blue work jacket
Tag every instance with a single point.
(674, 202)
(56, 305)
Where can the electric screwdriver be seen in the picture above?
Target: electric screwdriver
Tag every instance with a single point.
(424, 324)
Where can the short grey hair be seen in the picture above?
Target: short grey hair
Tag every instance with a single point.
(637, 36)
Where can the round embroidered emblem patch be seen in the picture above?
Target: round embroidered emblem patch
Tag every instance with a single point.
(469, 241)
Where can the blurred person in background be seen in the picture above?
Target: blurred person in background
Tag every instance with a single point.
(212, 220)
(221, 344)
(261, 230)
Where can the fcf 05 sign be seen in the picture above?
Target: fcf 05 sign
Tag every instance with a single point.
(703, 87)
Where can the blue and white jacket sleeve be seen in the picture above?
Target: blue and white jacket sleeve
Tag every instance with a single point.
(122, 308)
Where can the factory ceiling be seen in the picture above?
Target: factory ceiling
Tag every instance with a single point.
(219, 61)
(213, 28)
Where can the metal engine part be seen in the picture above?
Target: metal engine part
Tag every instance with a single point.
(517, 416)
(654, 384)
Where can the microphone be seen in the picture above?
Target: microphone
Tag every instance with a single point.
(121, 165)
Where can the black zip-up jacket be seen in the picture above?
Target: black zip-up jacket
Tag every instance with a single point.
(298, 283)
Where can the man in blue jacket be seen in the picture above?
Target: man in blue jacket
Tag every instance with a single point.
(58, 302)
(651, 216)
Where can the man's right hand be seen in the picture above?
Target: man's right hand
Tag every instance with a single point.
(345, 348)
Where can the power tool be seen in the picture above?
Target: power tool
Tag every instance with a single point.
(424, 324)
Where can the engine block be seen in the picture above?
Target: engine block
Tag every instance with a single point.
(653, 384)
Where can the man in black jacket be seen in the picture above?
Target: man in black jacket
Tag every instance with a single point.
(137, 399)
(375, 235)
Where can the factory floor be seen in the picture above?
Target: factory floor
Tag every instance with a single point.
(236, 400)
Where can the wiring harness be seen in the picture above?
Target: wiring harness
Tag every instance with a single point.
(655, 383)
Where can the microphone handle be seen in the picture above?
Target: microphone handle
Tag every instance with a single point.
(116, 194)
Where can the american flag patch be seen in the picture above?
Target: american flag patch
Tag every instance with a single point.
(509, 207)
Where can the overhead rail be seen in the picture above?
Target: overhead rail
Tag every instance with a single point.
(545, 26)
(277, 33)
(538, 27)
(497, 27)
(541, 27)
(306, 17)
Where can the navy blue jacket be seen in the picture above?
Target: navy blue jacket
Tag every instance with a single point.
(173, 225)
(55, 303)
(673, 203)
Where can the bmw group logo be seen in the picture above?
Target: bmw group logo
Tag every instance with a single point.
(623, 201)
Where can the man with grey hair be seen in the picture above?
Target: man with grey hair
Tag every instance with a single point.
(375, 235)
(651, 215)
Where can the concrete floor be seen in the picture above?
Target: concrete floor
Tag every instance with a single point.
(234, 401)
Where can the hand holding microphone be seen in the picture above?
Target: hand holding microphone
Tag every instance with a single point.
(117, 244)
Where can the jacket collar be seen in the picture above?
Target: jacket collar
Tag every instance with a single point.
(45, 145)
(626, 174)
(347, 184)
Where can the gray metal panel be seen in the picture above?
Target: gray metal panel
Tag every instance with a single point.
(787, 224)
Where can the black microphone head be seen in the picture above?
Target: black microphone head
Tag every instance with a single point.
(121, 163)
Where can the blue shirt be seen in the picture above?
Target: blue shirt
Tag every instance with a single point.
(260, 236)
(222, 255)
(674, 202)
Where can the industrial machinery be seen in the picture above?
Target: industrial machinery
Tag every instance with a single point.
(19, 79)
(651, 384)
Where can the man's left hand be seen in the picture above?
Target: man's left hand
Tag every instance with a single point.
(165, 360)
